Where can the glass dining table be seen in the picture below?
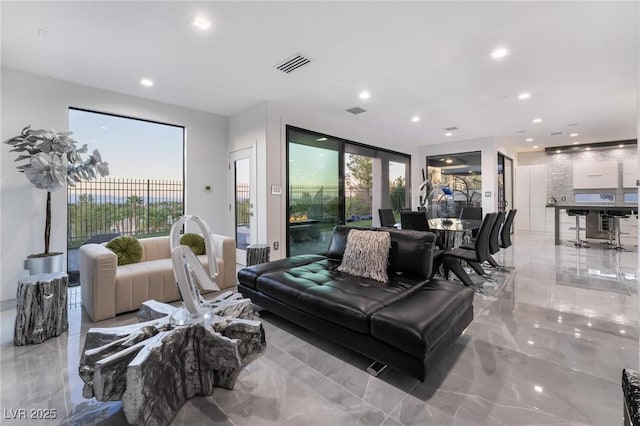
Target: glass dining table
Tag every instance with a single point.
(452, 229)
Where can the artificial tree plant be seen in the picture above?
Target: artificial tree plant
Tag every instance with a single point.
(51, 161)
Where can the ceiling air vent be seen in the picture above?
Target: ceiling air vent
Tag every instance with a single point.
(356, 110)
(450, 129)
(556, 133)
(293, 63)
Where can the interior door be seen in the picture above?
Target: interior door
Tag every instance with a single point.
(508, 183)
(243, 181)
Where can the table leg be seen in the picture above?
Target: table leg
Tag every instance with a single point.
(557, 225)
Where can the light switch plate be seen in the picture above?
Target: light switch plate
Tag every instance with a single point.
(487, 193)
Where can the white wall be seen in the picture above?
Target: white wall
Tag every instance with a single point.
(248, 129)
(263, 127)
(43, 103)
(489, 168)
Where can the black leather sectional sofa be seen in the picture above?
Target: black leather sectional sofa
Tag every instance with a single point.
(402, 323)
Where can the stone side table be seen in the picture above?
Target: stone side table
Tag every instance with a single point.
(41, 311)
(154, 367)
(257, 253)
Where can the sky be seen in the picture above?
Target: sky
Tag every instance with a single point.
(134, 149)
(309, 165)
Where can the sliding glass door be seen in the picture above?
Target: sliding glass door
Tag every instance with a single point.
(314, 192)
(332, 181)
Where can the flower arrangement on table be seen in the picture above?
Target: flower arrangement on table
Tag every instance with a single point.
(51, 160)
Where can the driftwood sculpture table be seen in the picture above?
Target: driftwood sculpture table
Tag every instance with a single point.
(41, 308)
(154, 367)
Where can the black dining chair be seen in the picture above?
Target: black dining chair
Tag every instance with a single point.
(478, 255)
(471, 213)
(505, 232)
(414, 220)
(387, 219)
(494, 241)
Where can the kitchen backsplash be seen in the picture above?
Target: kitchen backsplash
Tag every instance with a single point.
(560, 168)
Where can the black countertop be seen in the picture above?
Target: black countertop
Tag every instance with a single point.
(594, 206)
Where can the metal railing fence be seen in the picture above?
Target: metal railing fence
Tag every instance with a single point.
(141, 207)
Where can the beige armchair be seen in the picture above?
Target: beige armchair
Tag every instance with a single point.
(108, 289)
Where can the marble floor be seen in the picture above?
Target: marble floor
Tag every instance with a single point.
(546, 347)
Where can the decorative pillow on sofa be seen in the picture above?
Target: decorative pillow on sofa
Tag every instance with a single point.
(367, 254)
(195, 242)
(127, 248)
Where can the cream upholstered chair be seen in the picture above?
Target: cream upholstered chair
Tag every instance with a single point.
(108, 289)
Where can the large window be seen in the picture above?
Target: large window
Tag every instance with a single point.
(454, 182)
(332, 181)
(143, 194)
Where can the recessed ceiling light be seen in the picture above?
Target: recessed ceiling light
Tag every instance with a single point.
(538, 388)
(537, 120)
(201, 23)
(448, 134)
(321, 139)
(530, 342)
(588, 148)
(559, 151)
(623, 332)
(576, 142)
(415, 119)
(364, 95)
(524, 95)
(535, 146)
(146, 82)
(449, 161)
(621, 146)
(589, 324)
(499, 53)
(529, 139)
(573, 135)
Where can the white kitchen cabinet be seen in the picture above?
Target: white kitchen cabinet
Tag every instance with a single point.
(596, 175)
(531, 197)
(629, 231)
(629, 173)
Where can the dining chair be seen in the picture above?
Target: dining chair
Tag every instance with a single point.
(481, 251)
(414, 220)
(505, 232)
(471, 213)
(494, 240)
(387, 219)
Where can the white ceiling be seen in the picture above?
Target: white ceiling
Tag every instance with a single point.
(579, 61)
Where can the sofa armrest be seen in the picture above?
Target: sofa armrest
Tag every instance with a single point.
(226, 250)
(98, 267)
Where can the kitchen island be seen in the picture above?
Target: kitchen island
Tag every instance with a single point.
(592, 207)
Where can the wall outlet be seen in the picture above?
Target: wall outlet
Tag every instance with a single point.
(276, 246)
(207, 188)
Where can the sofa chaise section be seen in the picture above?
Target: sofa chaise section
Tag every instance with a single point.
(402, 323)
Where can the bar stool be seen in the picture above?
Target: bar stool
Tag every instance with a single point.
(577, 213)
(610, 228)
(613, 217)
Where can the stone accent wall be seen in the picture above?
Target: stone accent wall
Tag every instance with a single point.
(560, 168)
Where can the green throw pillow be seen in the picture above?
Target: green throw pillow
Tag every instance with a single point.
(127, 248)
(195, 242)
